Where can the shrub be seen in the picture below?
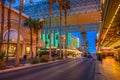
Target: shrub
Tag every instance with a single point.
(40, 53)
(35, 61)
(2, 61)
(45, 53)
(58, 58)
(43, 60)
(2, 55)
(54, 58)
(98, 54)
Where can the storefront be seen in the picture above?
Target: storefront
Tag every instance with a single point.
(9, 47)
(117, 53)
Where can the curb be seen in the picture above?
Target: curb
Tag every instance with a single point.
(98, 71)
(27, 66)
(97, 68)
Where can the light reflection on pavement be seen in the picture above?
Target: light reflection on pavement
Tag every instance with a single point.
(110, 69)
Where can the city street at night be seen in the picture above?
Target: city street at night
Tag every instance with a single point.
(59, 39)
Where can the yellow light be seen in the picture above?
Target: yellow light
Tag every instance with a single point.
(110, 23)
(13, 40)
(28, 49)
(103, 1)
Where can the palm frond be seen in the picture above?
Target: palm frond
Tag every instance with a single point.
(66, 4)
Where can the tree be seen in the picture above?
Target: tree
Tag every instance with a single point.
(61, 3)
(83, 33)
(38, 26)
(84, 37)
(9, 26)
(50, 24)
(17, 61)
(66, 6)
(30, 23)
(2, 61)
(2, 27)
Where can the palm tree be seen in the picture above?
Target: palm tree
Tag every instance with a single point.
(38, 26)
(61, 2)
(84, 37)
(2, 27)
(83, 33)
(65, 7)
(50, 24)
(17, 61)
(30, 23)
(9, 26)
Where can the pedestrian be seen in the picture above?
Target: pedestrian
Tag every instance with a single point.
(100, 58)
(25, 57)
(37, 56)
(24, 60)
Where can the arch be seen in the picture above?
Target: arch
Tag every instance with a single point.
(14, 26)
(13, 35)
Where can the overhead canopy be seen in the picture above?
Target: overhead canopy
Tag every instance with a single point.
(81, 12)
(110, 32)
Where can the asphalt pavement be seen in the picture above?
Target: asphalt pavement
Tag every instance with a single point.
(78, 69)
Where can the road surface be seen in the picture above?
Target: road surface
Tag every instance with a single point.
(78, 69)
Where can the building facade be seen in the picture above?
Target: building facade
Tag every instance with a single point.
(72, 42)
(24, 34)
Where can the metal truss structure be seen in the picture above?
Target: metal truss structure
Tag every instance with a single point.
(40, 9)
(76, 28)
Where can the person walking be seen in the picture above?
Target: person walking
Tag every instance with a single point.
(100, 58)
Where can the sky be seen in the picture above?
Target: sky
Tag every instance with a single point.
(91, 37)
(17, 2)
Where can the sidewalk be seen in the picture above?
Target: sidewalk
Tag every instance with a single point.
(98, 71)
(29, 65)
(26, 65)
(108, 70)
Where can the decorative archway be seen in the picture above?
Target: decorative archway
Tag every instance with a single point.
(13, 35)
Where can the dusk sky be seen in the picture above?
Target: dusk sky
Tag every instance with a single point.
(91, 36)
